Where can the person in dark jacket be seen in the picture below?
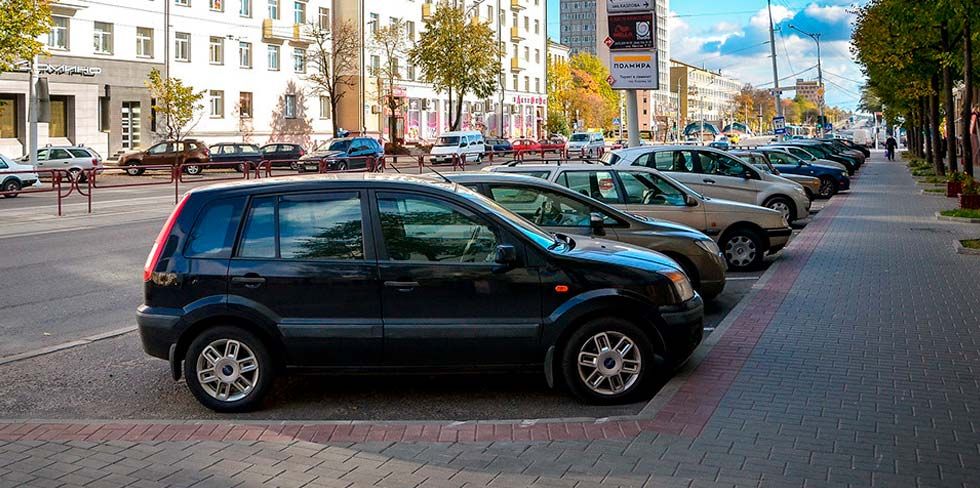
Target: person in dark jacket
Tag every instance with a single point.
(890, 145)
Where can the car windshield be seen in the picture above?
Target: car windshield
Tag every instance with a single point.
(448, 141)
(579, 138)
(339, 146)
(531, 231)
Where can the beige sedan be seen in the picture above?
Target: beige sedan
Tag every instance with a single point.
(745, 233)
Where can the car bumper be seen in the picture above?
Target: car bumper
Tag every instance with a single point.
(778, 238)
(683, 329)
(157, 329)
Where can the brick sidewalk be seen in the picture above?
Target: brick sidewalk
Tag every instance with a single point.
(853, 364)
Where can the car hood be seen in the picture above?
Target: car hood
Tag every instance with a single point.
(620, 254)
(321, 155)
(667, 227)
(445, 149)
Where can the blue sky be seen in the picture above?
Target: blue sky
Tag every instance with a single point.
(732, 36)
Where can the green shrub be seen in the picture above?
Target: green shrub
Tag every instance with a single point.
(963, 213)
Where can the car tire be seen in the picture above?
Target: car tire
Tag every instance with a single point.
(828, 187)
(603, 382)
(783, 205)
(229, 352)
(133, 169)
(11, 185)
(192, 168)
(743, 249)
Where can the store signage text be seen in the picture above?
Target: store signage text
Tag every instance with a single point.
(525, 100)
(61, 69)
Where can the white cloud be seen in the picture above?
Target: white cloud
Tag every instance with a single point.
(827, 13)
(779, 14)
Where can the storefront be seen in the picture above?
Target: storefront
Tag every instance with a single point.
(103, 104)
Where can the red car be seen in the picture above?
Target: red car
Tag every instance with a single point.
(525, 145)
(555, 144)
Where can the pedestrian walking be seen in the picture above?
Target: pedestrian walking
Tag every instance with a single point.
(890, 145)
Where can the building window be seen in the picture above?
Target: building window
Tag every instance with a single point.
(410, 30)
(217, 5)
(102, 38)
(299, 12)
(324, 107)
(245, 105)
(185, 3)
(299, 60)
(527, 24)
(245, 55)
(537, 55)
(245, 8)
(375, 20)
(375, 65)
(8, 117)
(103, 114)
(58, 37)
(537, 85)
(489, 13)
(217, 101)
(325, 19)
(515, 83)
(273, 58)
(410, 71)
(537, 26)
(527, 53)
(144, 42)
(290, 107)
(274, 9)
(527, 83)
(58, 127)
(182, 47)
(217, 50)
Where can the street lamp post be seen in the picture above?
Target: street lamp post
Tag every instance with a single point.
(816, 38)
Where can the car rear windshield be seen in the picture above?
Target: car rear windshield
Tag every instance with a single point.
(579, 137)
(448, 141)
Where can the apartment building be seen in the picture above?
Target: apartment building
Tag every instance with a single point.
(703, 94)
(810, 90)
(518, 109)
(247, 56)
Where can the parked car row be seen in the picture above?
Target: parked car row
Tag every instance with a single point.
(195, 156)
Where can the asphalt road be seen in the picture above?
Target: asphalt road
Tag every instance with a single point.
(72, 277)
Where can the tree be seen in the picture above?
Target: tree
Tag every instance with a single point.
(391, 42)
(21, 23)
(593, 97)
(560, 86)
(458, 55)
(178, 105)
(333, 63)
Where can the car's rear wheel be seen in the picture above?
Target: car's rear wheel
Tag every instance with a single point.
(192, 169)
(828, 187)
(342, 166)
(743, 249)
(608, 360)
(783, 206)
(228, 369)
(133, 169)
(10, 188)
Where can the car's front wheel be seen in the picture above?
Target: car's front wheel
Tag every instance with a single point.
(608, 361)
(133, 169)
(10, 188)
(192, 169)
(828, 187)
(228, 369)
(783, 205)
(743, 249)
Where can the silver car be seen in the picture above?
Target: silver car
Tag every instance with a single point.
(75, 160)
(745, 232)
(560, 210)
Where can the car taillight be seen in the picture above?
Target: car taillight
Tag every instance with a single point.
(95, 161)
(157, 249)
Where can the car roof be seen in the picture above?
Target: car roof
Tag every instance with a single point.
(326, 181)
(664, 147)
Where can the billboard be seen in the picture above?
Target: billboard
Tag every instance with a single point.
(634, 70)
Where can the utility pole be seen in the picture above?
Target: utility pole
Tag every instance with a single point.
(816, 38)
(32, 109)
(775, 70)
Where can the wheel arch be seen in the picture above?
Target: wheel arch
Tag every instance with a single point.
(266, 332)
(745, 224)
(789, 201)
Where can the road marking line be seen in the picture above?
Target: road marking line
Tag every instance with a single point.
(66, 345)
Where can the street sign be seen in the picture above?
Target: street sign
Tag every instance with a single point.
(828, 126)
(632, 31)
(634, 70)
(619, 6)
(617, 121)
(779, 125)
(608, 41)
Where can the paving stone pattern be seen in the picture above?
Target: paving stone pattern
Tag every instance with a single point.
(854, 365)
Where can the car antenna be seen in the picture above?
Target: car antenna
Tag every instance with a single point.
(447, 180)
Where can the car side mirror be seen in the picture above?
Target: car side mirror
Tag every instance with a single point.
(597, 224)
(505, 256)
(690, 201)
(462, 144)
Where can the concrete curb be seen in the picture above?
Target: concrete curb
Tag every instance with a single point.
(960, 249)
(961, 220)
(932, 194)
(65, 345)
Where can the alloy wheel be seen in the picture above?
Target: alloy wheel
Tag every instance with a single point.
(826, 187)
(227, 370)
(782, 207)
(609, 363)
(740, 251)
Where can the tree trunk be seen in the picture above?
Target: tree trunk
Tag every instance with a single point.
(333, 115)
(967, 112)
(950, 105)
(927, 134)
(459, 111)
(937, 148)
(449, 109)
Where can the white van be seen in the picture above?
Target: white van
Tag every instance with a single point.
(468, 145)
(586, 144)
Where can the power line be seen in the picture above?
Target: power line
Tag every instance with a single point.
(811, 68)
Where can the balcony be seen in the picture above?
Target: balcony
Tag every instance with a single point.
(295, 33)
(515, 65)
(515, 5)
(426, 11)
(515, 34)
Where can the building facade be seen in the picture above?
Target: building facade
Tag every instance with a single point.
(246, 56)
(703, 94)
(810, 90)
(517, 109)
(557, 52)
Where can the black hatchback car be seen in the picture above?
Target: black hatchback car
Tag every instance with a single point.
(282, 154)
(379, 272)
(236, 154)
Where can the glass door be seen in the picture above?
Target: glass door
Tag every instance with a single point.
(130, 125)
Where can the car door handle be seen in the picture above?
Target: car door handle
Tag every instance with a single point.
(402, 285)
(250, 280)
(709, 181)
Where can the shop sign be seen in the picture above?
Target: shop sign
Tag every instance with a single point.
(60, 69)
(634, 71)
(628, 5)
(526, 100)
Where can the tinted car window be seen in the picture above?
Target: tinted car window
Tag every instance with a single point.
(259, 236)
(248, 149)
(59, 154)
(417, 228)
(650, 189)
(596, 184)
(158, 149)
(545, 207)
(322, 227)
(79, 153)
(535, 173)
(214, 233)
(779, 158)
(719, 164)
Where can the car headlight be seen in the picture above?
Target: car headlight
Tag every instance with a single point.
(682, 285)
(708, 245)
